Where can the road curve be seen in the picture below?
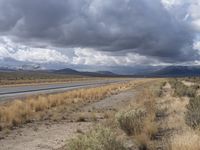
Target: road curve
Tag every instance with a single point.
(7, 93)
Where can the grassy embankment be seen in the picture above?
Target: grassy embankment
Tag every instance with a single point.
(164, 116)
(43, 107)
(133, 127)
(189, 137)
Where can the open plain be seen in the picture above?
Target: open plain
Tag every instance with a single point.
(145, 113)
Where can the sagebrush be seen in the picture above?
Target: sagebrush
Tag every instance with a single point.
(97, 139)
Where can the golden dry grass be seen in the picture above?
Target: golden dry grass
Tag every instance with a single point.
(141, 126)
(186, 141)
(137, 123)
(150, 127)
(22, 111)
(185, 138)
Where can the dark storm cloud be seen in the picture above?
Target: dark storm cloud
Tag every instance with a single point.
(117, 26)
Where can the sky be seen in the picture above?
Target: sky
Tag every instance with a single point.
(97, 34)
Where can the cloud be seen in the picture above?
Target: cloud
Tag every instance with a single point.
(194, 11)
(39, 55)
(117, 31)
(93, 58)
(9, 50)
(188, 10)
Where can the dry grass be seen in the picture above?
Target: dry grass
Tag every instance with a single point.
(187, 141)
(150, 127)
(176, 110)
(86, 116)
(34, 77)
(181, 113)
(97, 139)
(131, 121)
(139, 120)
(180, 89)
(193, 112)
(137, 123)
(22, 111)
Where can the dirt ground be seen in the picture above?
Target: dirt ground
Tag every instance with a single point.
(42, 137)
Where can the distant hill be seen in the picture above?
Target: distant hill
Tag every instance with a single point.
(66, 71)
(6, 69)
(170, 71)
(177, 71)
(69, 71)
(25, 67)
(106, 73)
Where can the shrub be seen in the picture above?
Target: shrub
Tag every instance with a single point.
(195, 86)
(158, 92)
(191, 92)
(183, 90)
(131, 121)
(173, 82)
(193, 113)
(98, 139)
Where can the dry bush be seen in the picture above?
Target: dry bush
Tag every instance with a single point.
(173, 82)
(86, 116)
(140, 121)
(149, 131)
(181, 89)
(21, 111)
(188, 141)
(131, 121)
(193, 112)
(195, 86)
(159, 90)
(98, 139)
(143, 142)
(150, 128)
(193, 79)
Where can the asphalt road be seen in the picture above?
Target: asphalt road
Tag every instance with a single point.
(7, 93)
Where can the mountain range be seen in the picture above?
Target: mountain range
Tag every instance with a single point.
(169, 71)
(173, 71)
(70, 71)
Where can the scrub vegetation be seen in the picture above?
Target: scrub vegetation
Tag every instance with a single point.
(162, 114)
(34, 77)
(19, 112)
(189, 138)
(97, 139)
(136, 123)
(165, 115)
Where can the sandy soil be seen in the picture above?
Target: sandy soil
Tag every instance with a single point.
(113, 102)
(42, 137)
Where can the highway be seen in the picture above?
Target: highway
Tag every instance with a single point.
(13, 92)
